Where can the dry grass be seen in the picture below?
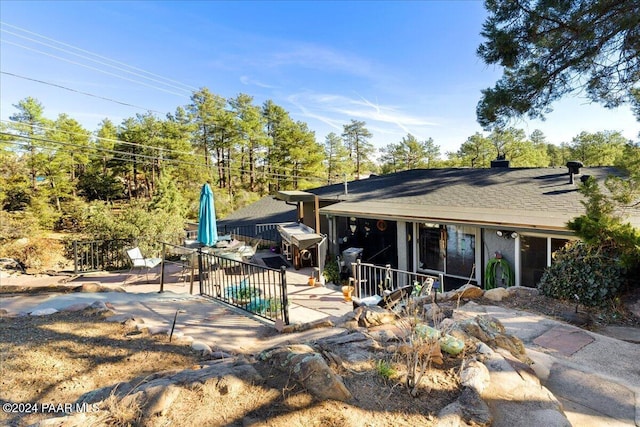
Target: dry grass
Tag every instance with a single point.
(58, 358)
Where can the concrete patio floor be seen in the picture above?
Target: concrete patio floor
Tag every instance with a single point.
(306, 303)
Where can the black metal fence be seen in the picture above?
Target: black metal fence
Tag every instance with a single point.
(96, 255)
(254, 288)
(267, 232)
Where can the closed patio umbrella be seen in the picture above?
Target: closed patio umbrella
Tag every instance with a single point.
(207, 227)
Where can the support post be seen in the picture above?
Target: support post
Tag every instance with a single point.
(162, 270)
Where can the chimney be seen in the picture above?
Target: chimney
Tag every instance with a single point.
(500, 162)
(574, 169)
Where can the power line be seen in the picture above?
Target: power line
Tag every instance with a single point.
(188, 87)
(80, 92)
(92, 68)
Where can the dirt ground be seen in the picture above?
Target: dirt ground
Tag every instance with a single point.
(597, 318)
(55, 359)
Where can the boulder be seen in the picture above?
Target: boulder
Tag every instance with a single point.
(496, 294)
(43, 312)
(374, 316)
(467, 292)
(308, 369)
(475, 375)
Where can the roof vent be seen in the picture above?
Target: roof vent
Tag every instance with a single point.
(574, 168)
(500, 162)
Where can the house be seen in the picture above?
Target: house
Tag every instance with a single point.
(452, 221)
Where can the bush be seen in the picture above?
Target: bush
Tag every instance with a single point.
(73, 217)
(136, 222)
(579, 269)
(15, 225)
(331, 272)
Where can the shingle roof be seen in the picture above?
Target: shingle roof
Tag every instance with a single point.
(526, 197)
(267, 210)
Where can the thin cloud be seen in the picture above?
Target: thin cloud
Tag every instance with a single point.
(388, 123)
(247, 81)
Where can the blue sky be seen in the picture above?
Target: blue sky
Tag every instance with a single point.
(402, 67)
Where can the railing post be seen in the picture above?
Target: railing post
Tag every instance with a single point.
(162, 270)
(75, 257)
(285, 298)
(200, 275)
(357, 275)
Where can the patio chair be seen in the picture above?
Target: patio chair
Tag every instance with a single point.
(389, 300)
(247, 251)
(139, 262)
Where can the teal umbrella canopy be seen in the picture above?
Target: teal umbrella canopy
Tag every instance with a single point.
(207, 227)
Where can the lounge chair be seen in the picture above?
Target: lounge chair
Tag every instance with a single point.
(139, 262)
(389, 300)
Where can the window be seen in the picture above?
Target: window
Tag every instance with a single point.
(461, 250)
(535, 256)
(431, 247)
(449, 249)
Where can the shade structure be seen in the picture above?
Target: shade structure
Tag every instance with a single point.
(207, 226)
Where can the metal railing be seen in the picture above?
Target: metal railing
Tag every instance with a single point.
(370, 279)
(267, 232)
(254, 288)
(97, 255)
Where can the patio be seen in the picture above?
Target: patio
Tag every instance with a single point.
(306, 303)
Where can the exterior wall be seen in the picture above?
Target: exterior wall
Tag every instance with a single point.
(493, 243)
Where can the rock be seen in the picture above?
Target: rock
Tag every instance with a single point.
(3, 313)
(89, 287)
(43, 312)
(523, 291)
(467, 292)
(200, 346)
(475, 375)
(321, 323)
(216, 355)
(158, 399)
(468, 410)
(374, 315)
(516, 397)
(496, 294)
(490, 331)
(308, 369)
(76, 307)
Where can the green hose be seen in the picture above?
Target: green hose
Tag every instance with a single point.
(490, 273)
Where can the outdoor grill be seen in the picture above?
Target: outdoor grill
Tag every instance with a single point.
(297, 240)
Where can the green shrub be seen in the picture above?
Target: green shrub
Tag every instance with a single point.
(136, 222)
(385, 369)
(73, 217)
(15, 225)
(590, 273)
(331, 272)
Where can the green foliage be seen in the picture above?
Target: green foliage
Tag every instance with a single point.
(135, 222)
(73, 216)
(603, 226)
(43, 211)
(15, 225)
(167, 198)
(385, 369)
(331, 272)
(506, 276)
(592, 274)
(550, 48)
